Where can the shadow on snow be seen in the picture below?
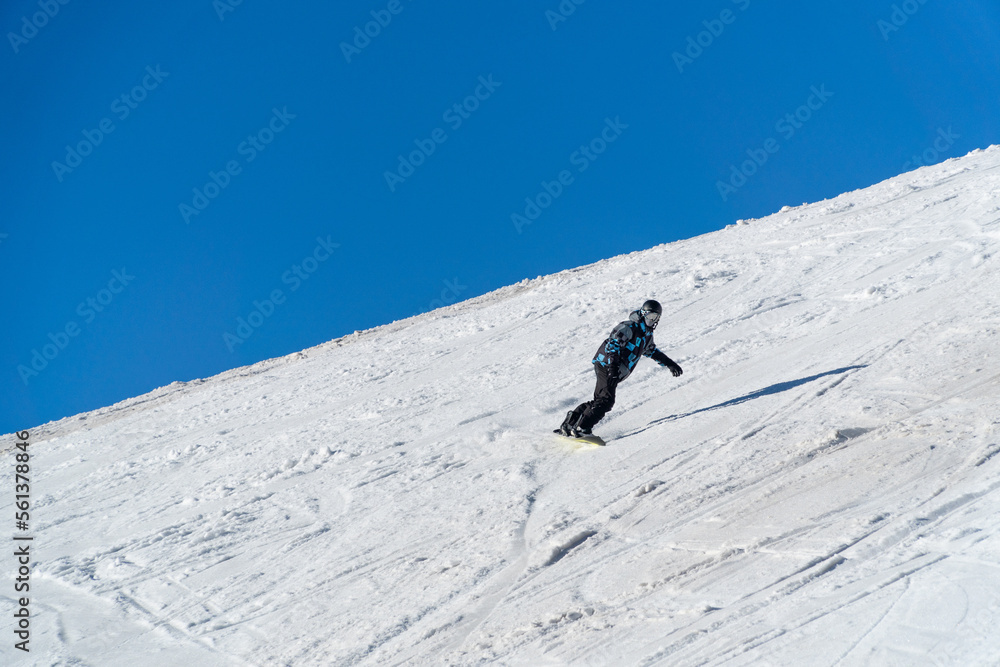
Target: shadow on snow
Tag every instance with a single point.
(766, 391)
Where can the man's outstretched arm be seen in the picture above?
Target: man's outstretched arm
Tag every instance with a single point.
(664, 360)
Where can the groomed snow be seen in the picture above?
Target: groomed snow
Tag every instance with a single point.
(820, 487)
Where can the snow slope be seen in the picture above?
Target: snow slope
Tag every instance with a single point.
(820, 487)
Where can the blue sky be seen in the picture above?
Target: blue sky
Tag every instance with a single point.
(196, 186)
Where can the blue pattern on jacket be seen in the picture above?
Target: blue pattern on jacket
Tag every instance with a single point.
(628, 341)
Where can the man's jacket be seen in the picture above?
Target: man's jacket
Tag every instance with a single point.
(628, 341)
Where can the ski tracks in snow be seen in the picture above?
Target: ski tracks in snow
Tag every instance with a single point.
(822, 480)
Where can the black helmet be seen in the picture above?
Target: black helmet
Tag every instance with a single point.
(650, 312)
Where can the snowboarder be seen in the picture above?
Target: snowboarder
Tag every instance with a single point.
(613, 362)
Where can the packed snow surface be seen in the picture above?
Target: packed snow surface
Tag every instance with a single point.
(820, 487)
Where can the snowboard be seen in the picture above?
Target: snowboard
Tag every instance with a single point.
(587, 439)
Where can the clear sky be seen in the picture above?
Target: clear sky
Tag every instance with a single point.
(194, 186)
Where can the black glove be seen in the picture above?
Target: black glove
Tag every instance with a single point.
(674, 368)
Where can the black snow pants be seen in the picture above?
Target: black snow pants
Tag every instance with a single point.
(591, 412)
